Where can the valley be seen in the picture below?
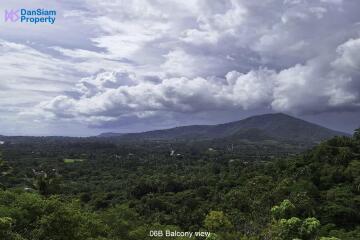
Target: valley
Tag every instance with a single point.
(228, 182)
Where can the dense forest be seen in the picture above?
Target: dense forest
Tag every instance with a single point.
(76, 189)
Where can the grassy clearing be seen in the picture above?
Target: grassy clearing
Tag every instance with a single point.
(73, 160)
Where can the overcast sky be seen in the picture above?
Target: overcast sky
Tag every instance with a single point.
(119, 65)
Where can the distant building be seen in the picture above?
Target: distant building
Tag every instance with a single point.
(172, 153)
(2, 142)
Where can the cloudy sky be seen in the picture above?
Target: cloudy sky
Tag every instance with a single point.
(117, 65)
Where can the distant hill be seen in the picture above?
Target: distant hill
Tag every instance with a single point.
(110, 134)
(277, 126)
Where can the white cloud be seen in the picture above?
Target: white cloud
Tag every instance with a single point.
(117, 96)
(144, 59)
(322, 84)
(29, 71)
(349, 58)
(326, 83)
(332, 1)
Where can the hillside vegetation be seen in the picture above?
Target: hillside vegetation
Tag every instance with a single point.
(276, 126)
(113, 194)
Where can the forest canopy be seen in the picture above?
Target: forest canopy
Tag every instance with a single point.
(111, 194)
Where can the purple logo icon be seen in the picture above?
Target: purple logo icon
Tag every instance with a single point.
(12, 15)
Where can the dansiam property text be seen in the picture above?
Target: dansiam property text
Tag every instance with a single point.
(31, 16)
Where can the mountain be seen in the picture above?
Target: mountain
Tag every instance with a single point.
(110, 134)
(277, 126)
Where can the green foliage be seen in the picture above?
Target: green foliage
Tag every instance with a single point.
(293, 227)
(122, 221)
(216, 221)
(125, 191)
(289, 228)
(5, 227)
(37, 218)
(309, 227)
(5, 170)
(357, 134)
(46, 183)
(213, 236)
(284, 210)
(353, 234)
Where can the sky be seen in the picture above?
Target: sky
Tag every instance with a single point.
(130, 66)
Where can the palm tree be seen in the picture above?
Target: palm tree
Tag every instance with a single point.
(357, 134)
(46, 183)
(5, 170)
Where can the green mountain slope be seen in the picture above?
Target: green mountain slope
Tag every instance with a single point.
(276, 126)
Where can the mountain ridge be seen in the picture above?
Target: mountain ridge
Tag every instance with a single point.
(278, 126)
